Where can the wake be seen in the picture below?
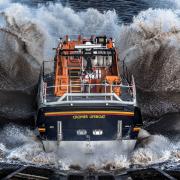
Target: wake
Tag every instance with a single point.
(20, 145)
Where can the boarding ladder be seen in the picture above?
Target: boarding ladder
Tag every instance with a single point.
(75, 81)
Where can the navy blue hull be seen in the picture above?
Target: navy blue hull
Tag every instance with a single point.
(88, 120)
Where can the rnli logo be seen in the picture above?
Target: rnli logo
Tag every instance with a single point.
(89, 117)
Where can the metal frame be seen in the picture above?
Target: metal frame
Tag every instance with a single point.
(39, 173)
(69, 97)
(59, 132)
(84, 52)
(91, 98)
(119, 130)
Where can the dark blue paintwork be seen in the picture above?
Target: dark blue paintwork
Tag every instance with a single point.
(70, 125)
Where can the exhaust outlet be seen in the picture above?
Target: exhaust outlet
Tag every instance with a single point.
(59, 132)
(119, 130)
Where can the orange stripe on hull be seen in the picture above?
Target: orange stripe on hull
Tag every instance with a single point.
(89, 112)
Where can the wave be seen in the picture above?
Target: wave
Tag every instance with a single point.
(163, 4)
(19, 145)
(21, 52)
(150, 47)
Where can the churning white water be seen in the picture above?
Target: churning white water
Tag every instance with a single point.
(20, 145)
(149, 46)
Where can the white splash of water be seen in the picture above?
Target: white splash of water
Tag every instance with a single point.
(3, 151)
(24, 147)
(56, 21)
(157, 149)
(20, 144)
(175, 2)
(4, 4)
(102, 156)
(150, 47)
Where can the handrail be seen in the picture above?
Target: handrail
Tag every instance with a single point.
(134, 89)
(65, 99)
(106, 84)
(93, 97)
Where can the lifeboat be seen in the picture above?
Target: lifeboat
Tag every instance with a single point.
(84, 99)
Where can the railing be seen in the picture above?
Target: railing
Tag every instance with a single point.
(88, 94)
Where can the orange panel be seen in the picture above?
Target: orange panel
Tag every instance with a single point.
(112, 79)
(110, 45)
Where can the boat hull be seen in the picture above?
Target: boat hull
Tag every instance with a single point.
(90, 147)
(83, 100)
(83, 128)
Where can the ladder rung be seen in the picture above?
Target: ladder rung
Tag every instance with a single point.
(75, 67)
(75, 85)
(74, 70)
(76, 80)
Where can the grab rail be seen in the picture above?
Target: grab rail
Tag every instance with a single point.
(88, 95)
